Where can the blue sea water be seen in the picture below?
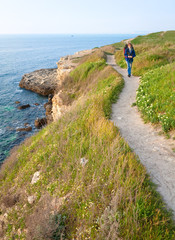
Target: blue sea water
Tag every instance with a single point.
(20, 54)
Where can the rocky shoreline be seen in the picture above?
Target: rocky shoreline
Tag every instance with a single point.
(47, 82)
(43, 81)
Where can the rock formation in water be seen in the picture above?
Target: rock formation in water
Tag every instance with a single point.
(23, 106)
(49, 81)
(43, 81)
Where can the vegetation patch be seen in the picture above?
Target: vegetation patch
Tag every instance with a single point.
(155, 98)
(154, 62)
(91, 184)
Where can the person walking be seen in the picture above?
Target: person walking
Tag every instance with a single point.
(129, 54)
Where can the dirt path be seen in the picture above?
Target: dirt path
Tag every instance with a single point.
(154, 151)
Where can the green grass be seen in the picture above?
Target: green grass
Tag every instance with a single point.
(111, 197)
(155, 97)
(156, 38)
(154, 62)
(81, 72)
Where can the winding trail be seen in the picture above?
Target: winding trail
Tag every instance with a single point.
(155, 152)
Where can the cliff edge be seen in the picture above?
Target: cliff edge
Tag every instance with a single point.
(49, 81)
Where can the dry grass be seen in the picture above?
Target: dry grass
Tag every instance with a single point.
(96, 55)
(81, 79)
(108, 49)
(45, 223)
(110, 197)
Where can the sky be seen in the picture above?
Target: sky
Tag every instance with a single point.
(84, 17)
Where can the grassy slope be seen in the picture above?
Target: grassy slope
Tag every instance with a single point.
(155, 62)
(111, 197)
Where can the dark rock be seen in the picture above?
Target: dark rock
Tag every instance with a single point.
(40, 122)
(45, 104)
(43, 81)
(50, 98)
(27, 129)
(24, 106)
(48, 109)
(48, 105)
(17, 102)
(36, 104)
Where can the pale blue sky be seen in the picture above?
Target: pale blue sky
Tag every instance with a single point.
(81, 16)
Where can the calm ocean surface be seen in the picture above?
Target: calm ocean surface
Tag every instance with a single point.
(20, 54)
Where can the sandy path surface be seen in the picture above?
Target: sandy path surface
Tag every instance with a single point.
(154, 151)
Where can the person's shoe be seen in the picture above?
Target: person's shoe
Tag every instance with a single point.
(129, 75)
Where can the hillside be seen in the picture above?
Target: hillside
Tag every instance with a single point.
(77, 178)
(155, 62)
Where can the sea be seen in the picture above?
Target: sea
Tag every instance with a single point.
(20, 54)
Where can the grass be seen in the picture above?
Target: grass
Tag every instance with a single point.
(155, 97)
(111, 197)
(81, 72)
(154, 62)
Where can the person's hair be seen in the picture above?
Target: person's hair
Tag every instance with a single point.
(126, 46)
(130, 44)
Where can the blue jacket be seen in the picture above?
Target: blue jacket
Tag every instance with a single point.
(127, 53)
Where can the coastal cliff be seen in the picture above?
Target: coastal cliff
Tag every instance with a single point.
(49, 81)
(77, 178)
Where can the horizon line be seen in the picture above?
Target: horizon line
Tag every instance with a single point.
(122, 33)
(72, 33)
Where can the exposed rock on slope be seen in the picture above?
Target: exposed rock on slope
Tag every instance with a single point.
(40, 122)
(43, 81)
(65, 66)
(49, 81)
